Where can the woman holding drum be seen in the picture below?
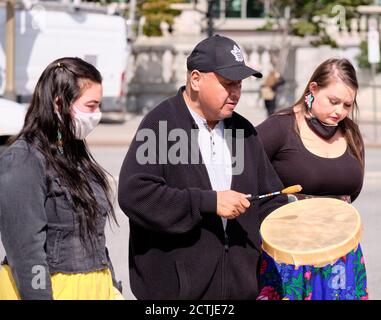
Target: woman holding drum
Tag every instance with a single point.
(316, 144)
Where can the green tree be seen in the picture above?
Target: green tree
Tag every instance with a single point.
(307, 16)
(156, 11)
(104, 2)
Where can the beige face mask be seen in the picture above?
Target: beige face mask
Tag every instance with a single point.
(85, 122)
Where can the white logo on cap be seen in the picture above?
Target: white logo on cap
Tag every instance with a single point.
(237, 53)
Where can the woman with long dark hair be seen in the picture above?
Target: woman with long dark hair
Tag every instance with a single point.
(316, 143)
(55, 199)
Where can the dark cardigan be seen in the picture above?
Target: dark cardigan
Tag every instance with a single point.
(178, 247)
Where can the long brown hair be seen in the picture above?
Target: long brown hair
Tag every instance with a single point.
(65, 78)
(323, 75)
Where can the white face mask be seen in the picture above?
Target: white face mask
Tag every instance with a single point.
(85, 122)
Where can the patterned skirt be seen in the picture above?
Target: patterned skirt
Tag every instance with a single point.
(343, 280)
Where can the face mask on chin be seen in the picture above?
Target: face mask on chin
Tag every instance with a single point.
(323, 130)
(85, 122)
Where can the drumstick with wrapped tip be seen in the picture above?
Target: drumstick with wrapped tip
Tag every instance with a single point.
(292, 189)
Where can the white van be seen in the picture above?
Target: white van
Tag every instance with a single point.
(12, 115)
(43, 35)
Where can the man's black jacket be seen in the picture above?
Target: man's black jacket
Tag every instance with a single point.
(178, 247)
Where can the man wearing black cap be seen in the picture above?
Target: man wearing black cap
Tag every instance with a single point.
(193, 232)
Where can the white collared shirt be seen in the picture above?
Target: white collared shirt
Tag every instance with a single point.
(215, 154)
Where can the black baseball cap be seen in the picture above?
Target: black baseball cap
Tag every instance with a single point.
(220, 55)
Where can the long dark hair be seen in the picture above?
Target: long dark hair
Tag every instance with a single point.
(323, 75)
(64, 80)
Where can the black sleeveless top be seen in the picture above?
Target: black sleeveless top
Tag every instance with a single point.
(295, 164)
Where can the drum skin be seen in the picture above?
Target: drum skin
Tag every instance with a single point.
(314, 232)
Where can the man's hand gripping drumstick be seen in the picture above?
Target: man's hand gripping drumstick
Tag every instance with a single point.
(231, 204)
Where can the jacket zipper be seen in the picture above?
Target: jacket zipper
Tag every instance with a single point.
(224, 254)
(226, 245)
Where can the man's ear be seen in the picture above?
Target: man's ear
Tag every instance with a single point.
(194, 80)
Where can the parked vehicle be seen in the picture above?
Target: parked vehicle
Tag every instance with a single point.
(45, 34)
(12, 115)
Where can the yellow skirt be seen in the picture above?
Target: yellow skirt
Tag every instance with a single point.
(96, 285)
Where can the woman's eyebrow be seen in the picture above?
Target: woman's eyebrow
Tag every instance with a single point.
(92, 101)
